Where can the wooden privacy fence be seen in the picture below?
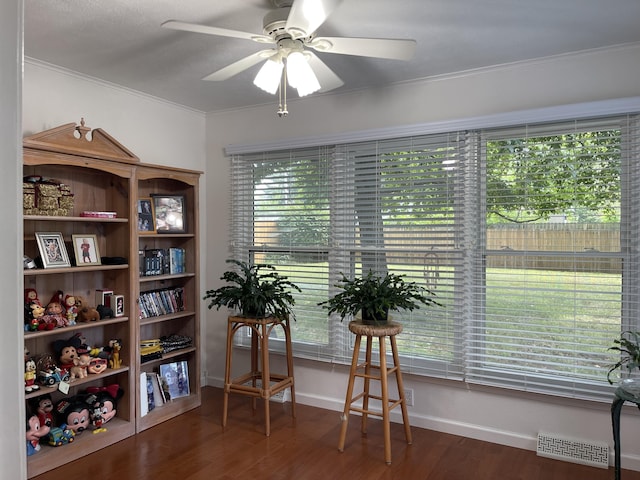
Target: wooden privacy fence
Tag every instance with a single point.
(546, 246)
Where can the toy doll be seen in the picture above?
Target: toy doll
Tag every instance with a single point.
(43, 407)
(31, 295)
(55, 314)
(35, 432)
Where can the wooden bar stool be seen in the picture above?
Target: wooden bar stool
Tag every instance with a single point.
(270, 383)
(364, 370)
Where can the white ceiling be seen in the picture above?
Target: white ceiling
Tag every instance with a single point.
(121, 41)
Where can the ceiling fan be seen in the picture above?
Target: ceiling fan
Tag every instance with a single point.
(291, 28)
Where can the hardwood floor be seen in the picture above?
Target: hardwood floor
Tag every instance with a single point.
(194, 447)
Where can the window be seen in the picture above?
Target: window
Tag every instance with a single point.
(526, 234)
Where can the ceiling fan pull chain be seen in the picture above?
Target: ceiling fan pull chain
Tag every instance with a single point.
(282, 92)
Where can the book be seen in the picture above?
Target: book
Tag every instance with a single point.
(144, 399)
(163, 387)
(156, 395)
(176, 374)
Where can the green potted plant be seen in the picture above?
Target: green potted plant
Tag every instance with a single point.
(255, 291)
(629, 347)
(376, 295)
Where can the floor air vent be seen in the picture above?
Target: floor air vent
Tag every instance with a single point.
(595, 454)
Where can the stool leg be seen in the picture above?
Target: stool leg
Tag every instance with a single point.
(289, 351)
(227, 373)
(385, 401)
(266, 379)
(403, 402)
(255, 334)
(367, 384)
(347, 402)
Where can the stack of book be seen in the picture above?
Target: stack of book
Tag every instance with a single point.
(161, 302)
(162, 261)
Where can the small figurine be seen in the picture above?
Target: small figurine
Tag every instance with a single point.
(35, 432)
(72, 310)
(80, 366)
(30, 376)
(114, 358)
(60, 436)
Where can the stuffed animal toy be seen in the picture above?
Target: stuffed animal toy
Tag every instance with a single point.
(67, 352)
(85, 312)
(104, 311)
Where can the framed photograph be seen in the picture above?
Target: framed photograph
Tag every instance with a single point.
(86, 249)
(52, 250)
(176, 375)
(146, 216)
(169, 213)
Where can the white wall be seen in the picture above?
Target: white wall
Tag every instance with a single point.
(496, 415)
(12, 409)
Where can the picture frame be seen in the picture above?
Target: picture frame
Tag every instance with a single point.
(146, 216)
(86, 250)
(52, 250)
(169, 211)
(176, 375)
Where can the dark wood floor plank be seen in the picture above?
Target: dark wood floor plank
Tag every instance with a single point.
(195, 447)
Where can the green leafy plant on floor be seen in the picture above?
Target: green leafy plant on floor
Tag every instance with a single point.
(256, 291)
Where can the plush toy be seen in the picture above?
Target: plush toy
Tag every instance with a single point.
(30, 376)
(58, 297)
(74, 412)
(85, 312)
(35, 432)
(70, 307)
(104, 311)
(67, 352)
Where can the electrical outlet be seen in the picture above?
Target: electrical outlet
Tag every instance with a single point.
(408, 396)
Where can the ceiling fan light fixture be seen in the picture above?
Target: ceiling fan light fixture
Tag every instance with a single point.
(268, 78)
(300, 75)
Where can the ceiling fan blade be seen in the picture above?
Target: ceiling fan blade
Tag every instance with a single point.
(223, 32)
(391, 48)
(240, 66)
(307, 15)
(326, 77)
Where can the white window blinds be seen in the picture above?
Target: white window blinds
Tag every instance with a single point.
(527, 235)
